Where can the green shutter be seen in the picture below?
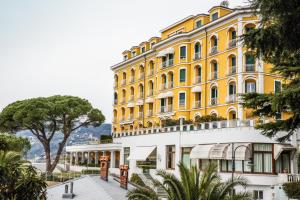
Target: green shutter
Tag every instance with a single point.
(182, 75)
(183, 52)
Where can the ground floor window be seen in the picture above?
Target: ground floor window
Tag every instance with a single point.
(170, 157)
(126, 155)
(185, 156)
(263, 158)
(240, 166)
(258, 194)
(203, 163)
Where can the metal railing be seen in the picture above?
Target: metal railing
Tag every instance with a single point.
(214, 75)
(249, 68)
(197, 104)
(167, 63)
(214, 50)
(232, 43)
(197, 56)
(231, 98)
(165, 109)
(232, 70)
(197, 79)
(150, 113)
(213, 101)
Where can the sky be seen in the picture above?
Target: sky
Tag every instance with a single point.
(66, 47)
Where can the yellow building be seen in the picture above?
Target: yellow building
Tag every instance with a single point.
(197, 67)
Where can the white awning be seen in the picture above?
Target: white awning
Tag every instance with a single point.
(130, 105)
(149, 100)
(141, 153)
(196, 89)
(161, 96)
(201, 151)
(242, 151)
(165, 52)
(169, 94)
(219, 151)
(279, 148)
(139, 103)
(161, 54)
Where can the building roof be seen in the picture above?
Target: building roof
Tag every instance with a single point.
(178, 22)
(91, 188)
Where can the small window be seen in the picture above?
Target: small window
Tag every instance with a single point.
(133, 53)
(198, 24)
(182, 74)
(143, 50)
(258, 194)
(277, 87)
(170, 156)
(233, 61)
(250, 87)
(181, 99)
(233, 35)
(125, 57)
(215, 16)
(183, 52)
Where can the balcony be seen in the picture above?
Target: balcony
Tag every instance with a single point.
(232, 70)
(197, 79)
(249, 68)
(150, 113)
(197, 56)
(213, 101)
(123, 82)
(165, 109)
(197, 104)
(232, 43)
(214, 50)
(214, 75)
(167, 63)
(141, 77)
(150, 93)
(231, 98)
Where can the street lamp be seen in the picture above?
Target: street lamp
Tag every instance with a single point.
(250, 163)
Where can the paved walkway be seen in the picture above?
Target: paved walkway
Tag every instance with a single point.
(90, 188)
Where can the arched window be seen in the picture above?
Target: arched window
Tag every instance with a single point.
(231, 92)
(132, 75)
(213, 45)
(231, 64)
(115, 98)
(124, 78)
(131, 98)
(214, 69)
(141, 72)
(232, 38)
(249, 27)
(163, 82)
(232, 114)
(116, 81)
(214, 95)
(170, 79)
(123, 113)
(151, 68)
(115, 115)
(249, 62)
(151, 86)
(123, 96)
(197, 51)
(141, 91)
(197, 74)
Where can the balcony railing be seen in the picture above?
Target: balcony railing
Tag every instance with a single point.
(231, 98)
(140, 115)
(165, 109)
(132, 80)
(214, 50)
(131, 98)
(232, 70)
(130, 117)
(123, 82)
(167, 63)
(150, 93)
(150, 113)
(197, 79)
(151, 72)
(213, 101)
(200, 127)
(141, 77)
(214, 75)
(249, 68)
(170, 85)
(197, 104)
(197, 56)
(232, 43)
(141, 95)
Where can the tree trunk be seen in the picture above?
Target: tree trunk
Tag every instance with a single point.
(61, 146)
(48, 156)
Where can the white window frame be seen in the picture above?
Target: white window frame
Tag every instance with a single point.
(186, 52)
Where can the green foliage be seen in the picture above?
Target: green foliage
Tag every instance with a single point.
(90, 171)
(208, 118)
(175, 122)
(105, 139)
(192, 186)
(276, 41)
(137, 180)
(47, 116)
(62, 176)
(18, 179)
(292, 190)
(9, 142)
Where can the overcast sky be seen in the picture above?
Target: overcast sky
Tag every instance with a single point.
(66, 47)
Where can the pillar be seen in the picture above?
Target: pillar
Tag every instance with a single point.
(88, 157)
(82, 157)
(71, 158)
(76, 158)
(240, 112)
(96, 157)
(112, 159)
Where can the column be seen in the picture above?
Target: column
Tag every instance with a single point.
(76, 158)
(240, 111)
(96, 157)
(89, 157)
(71, 158)
(112, 159)
(82, 157)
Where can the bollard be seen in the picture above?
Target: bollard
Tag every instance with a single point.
(71, 187)
(66, 189)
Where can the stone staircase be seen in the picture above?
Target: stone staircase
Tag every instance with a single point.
(148, 180)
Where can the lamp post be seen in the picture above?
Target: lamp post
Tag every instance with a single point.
(250, 163)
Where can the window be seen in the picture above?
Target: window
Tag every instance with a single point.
(143, 50)
(215, 16)
(240, 166)
(262, 157)
(126, 155)
(133, 53)
(258, 194)
(233, 35)
(277, 87)
(171, 157)
(181, 99)
(183, 52)
(214, 95)
(232, 89)
(198, 24)
(185, 156)
(250, 86)
(233, 61)
(283, 163)
(125, 57)
(203, 163)
(182, 74)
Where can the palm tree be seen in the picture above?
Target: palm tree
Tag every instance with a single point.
(192, 186)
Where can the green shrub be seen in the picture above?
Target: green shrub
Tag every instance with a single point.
(292, 190)
(208, 118)
(137, 180)
(90, 171)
